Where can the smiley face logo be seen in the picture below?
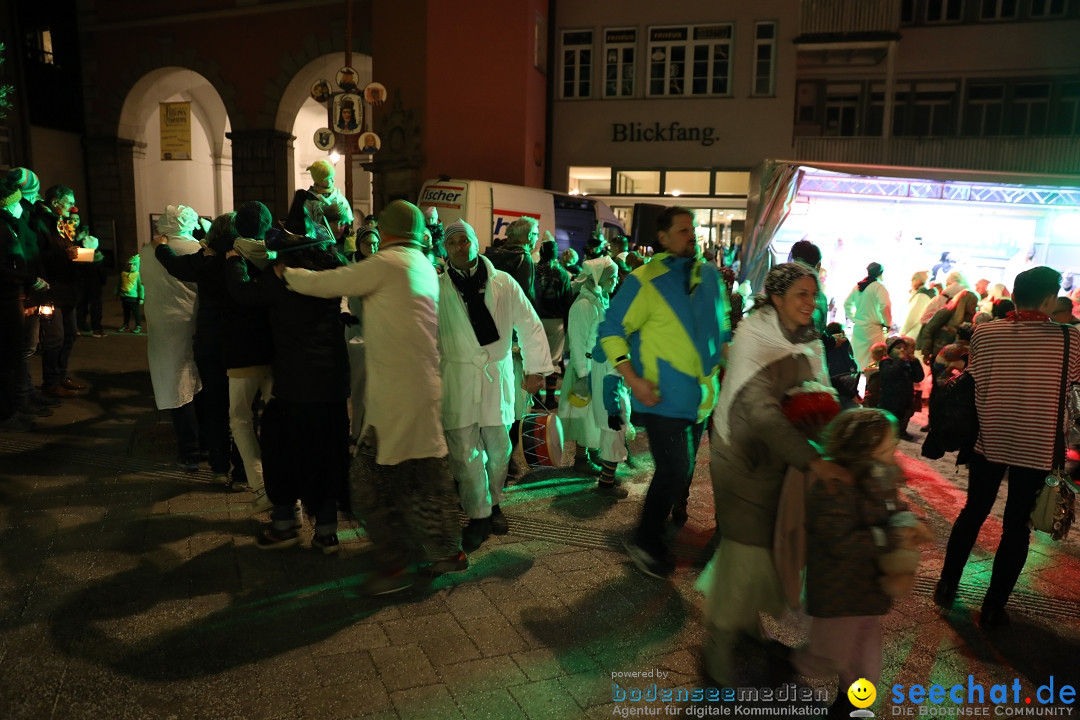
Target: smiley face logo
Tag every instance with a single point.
(862, 693)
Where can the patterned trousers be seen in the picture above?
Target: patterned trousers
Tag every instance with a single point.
(409, 510)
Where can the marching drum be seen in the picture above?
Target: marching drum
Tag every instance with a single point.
(542, 439)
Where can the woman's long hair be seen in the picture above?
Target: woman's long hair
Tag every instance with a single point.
(963, 307)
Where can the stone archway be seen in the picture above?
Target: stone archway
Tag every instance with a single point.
(205, 181)
(299, 115)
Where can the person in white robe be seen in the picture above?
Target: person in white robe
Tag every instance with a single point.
(479, 311)
(869, 309)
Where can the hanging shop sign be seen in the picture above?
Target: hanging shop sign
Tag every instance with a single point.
(175, 130)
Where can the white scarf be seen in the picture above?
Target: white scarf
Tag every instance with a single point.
(759, 342)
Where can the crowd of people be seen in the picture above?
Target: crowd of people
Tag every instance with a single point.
(385, 370)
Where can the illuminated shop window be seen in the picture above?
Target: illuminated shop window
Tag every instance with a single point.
(637, 182)
(728, 182)
(764, 59)
(690, 60)
(686, 182)
(620, 46)
(577, 63)
(589, 180)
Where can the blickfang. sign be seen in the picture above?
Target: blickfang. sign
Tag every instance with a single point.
(656, 132)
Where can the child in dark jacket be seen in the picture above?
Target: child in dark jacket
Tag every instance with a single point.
(855, 532)
(843, 370)
(899, 372)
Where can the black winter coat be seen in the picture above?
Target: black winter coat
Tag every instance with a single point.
(310, 363)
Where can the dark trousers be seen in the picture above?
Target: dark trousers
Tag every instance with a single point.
(132, 309)
(983, 484)
(11, 361)
(31, 336)
(212, 408)
(58, 335)
(186, 427)
(674, 444)
(90, 305)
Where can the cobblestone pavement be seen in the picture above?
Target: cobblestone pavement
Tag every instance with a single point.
(130, 589)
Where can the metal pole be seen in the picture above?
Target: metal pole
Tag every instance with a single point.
(350, 142)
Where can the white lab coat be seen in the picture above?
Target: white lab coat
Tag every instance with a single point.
(869, 311)
(478, 381)
(400, 291)
(170, 317)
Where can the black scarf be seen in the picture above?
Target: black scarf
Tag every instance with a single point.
(471, 288)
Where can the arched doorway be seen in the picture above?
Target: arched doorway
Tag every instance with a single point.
(205, 181)
(300, 115)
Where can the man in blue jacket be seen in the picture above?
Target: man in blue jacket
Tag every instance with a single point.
(665, 332)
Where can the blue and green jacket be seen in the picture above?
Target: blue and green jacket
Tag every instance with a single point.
(670, 320)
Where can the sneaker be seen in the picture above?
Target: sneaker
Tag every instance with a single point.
(188, 465)
(18, 423)
(271, 539)
(137, 330)
(237, 486)
(475, 533)
(499, 525)
(39, 398)
(123, 329)
(944, 594)
(99, 334)
(386, 582)
(221, 478)
(454, 563)
(261, 503)
(35, 410)
(329, 544)
(646, 563)
(612, 490)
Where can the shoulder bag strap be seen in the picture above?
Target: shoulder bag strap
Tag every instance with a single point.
(1059, 433)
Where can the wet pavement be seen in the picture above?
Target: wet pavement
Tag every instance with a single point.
(132, 589)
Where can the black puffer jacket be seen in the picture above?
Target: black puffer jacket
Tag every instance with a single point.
(310, 360)
(513, 260)
(57, 257)
(241, 333)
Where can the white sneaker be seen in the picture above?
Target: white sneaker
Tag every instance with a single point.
(261, 503)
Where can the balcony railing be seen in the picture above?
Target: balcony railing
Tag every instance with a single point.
(847, 17)
(1053, 156)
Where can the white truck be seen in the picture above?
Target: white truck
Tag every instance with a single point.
(491, 207)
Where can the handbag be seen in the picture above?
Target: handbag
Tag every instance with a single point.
(1055, 505)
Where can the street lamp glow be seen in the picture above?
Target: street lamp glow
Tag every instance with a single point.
(334, 157)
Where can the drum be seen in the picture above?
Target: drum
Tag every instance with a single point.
(542, 439)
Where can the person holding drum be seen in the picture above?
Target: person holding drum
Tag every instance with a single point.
(665, 332)
(596, 408)
(479, 310)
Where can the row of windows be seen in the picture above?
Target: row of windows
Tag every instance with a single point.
(683, 61)
(932, 12)
(1031, 108)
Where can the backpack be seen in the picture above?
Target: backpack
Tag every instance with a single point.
(954, 422)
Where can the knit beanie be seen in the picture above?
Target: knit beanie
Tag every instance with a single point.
(402, 219)
(25, 180)
(9, 193)
(460, 227)
(322, 173)
(253, 220)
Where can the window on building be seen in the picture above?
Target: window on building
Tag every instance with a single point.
(39, 46)
(730, 182)
(806, 95)
(999, 9)
(590, 180)
(932, 114)
(620, 45)
(907, 12)
(686, 61)
(1047, 8)
(941, 11)
(1067, 116)
(764, 59)
(876, 110)
(577, 63)
(686, 182)
(637, 182)
(1030, 109)
(984, 110)
(841, 110)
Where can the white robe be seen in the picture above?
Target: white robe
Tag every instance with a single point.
(916, 307)
(478, 381)
(170, 318)
(400, 291)
(869, 311)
